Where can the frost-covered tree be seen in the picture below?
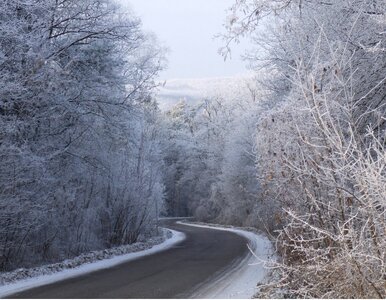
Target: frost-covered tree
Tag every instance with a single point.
(80, 168)
(211, 166)
(320, 149)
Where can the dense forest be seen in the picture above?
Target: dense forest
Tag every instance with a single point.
(89, 161)
(80, 156)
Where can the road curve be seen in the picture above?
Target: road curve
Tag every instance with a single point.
(178, 272)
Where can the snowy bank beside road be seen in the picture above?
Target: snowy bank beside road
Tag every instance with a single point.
(15, 281)
(240, 280)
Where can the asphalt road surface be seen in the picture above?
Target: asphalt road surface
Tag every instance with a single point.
(178, 272)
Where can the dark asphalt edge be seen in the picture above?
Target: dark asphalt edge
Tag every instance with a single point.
(225, 275)
(6, 291)
(199, 291)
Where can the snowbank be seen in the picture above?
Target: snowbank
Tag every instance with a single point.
(82, 265)
(240, 280)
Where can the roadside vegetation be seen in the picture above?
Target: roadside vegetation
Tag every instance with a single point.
(301, 153)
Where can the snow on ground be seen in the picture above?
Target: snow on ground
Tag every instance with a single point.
(240, 280)
(175, 218)
(68, 270)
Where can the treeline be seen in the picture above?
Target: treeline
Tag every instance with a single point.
(80, 161)
(302, 155)
(210, 170)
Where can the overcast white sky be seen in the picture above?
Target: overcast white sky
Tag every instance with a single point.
(187, 28)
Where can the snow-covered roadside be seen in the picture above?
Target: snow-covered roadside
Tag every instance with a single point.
(240, 281)
(68, 270)
(175, 218)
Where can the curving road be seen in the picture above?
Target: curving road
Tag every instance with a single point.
(179, 272)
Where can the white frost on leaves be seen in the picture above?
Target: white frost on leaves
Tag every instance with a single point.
(231, 19)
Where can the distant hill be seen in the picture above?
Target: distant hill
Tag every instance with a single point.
(195, 90)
